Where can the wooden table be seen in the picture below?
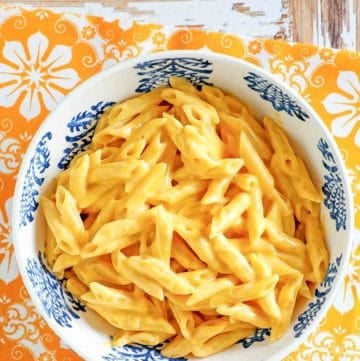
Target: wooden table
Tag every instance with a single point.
(330, 23)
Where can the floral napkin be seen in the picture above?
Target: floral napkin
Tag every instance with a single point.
(43, 55)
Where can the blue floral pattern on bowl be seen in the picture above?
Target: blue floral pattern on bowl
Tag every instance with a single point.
(333, 188)
(34, 178)
(306, 317)
(59, 304)
(273, 94)
(81, 127)
(138, 353)
(259, 336)
(152, 353)
(157, 72)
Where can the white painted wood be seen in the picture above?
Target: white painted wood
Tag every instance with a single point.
(258, 18)
(330, 23)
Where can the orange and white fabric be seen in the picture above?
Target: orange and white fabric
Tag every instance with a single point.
(43, 55)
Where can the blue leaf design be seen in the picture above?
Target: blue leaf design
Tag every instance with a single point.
(324, 148)
(157, 72)
(306, 317)
(333, 187)
(82, 125)
(259, 336)
(273, 94)
(138, 353)
(34, 178)
(59, 304)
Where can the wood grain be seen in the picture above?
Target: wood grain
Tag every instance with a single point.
(301, 24)
(331, 23)
(334, 23)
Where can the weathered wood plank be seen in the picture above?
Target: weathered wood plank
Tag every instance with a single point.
(303, 14)
(334, 23)
(246, 17)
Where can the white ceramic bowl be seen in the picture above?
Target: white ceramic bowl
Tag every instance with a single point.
(68, 130)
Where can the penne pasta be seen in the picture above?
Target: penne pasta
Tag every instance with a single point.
(139, 279)
(255, 164)
(185, 320)
(281, 145)
(233, 258)
(155, 270)
(227, 216)
(315, 245)
(239, 124)
(187, 222)
(65, 240)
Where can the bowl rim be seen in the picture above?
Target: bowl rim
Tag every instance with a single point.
(129, 63)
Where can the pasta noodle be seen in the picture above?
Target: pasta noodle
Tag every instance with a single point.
(187, 221)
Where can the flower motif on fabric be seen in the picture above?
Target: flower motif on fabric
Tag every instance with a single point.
(58, 303)
(155, 73)
(333, 187)
(345, 106)
(121, 40)
(349, 291)
(354, 176)
(34, 178)
(254, 47)
(8, 266)
(259, 336)
(291, 71)
(10, 148)
(25, 136)
(5, 302)
(36, 73)
(326, 54)
(158, 38)
(88, 32)
(82, 127)
(138, 353)
(306, 317)
(42, 14)
(273, 94)
(18, 318)
(334, 344)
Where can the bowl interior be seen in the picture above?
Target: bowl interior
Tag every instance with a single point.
(68, 130)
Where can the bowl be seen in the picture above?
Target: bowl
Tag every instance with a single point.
(68, 130)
